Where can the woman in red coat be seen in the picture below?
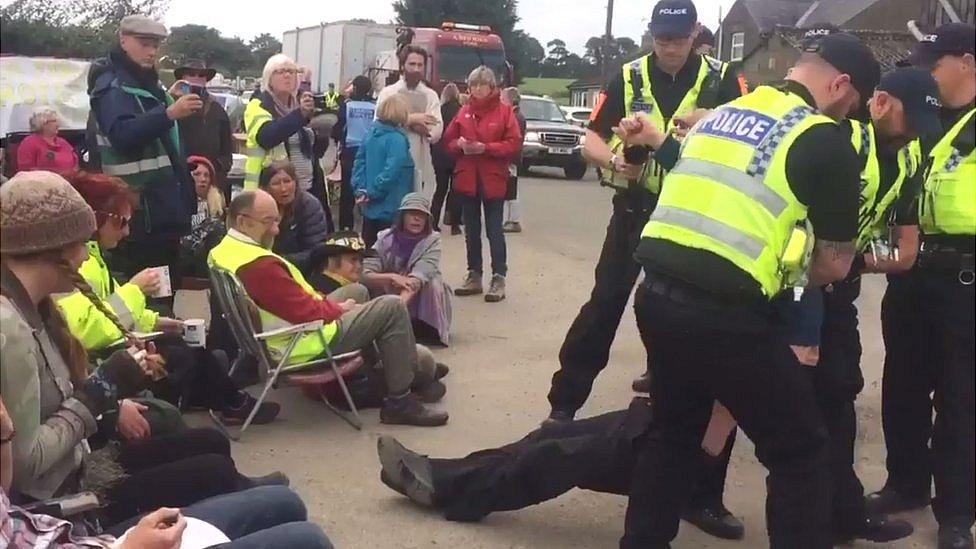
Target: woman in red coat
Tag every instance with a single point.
(485, 137)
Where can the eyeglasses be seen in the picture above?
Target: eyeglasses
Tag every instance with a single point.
(123, 220)
(265, 221)
(286, 71)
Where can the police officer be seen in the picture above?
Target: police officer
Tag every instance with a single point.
(903, 106)
(928, 314)
(331, 98)
(728, 234)
(668, 85)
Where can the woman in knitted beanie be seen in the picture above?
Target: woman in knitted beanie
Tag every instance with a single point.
(52, 401)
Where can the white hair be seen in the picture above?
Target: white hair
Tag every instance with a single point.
(42, 116)
(274, 63)
(482, 75)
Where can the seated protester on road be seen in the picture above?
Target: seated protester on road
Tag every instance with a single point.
(303, 223)
(337, 273)
(210, 201)
(208, 221)
(597, 453)
(269, 516)
(53, 401)
(407, 263)
(284, 298)
(101, 312)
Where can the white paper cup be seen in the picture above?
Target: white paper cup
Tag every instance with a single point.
(165, 284)
(195, 332)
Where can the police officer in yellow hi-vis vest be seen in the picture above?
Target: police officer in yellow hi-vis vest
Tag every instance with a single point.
(928, 314)
(760, 181)
(669, 85)
(283, 297)
(904, 106)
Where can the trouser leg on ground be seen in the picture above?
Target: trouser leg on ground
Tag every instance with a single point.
(386, 322)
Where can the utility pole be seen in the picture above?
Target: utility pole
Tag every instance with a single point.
(607, 39)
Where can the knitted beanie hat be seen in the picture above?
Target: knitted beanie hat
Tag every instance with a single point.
(40, 211)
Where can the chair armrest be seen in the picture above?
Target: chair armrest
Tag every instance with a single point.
(304, 328)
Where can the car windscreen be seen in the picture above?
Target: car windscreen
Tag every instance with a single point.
(455, 63)
(540, 109)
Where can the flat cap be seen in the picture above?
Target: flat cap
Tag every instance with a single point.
(140, 25)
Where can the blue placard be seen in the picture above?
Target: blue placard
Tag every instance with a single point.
(743, 125)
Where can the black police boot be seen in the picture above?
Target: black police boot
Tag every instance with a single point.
(955, 537)
(888, 500)
(715, 520)
(879, 529)
(642, 384)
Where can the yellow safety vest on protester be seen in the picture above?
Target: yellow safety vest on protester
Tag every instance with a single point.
(91, 326)
(331, 100)
(640, 99)
(232, 254)
(875, 213)
(258, 158)
(728, 194)
(948, 204)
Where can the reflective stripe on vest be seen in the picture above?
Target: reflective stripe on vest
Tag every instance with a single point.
(232, 254)
(729, 194)
(643, 101)
(257, 157)
(875, 211)
(948, 204)
(152, 163)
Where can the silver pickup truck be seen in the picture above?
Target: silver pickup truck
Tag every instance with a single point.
(550, 140)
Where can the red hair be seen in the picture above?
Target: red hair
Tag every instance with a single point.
(104, 193)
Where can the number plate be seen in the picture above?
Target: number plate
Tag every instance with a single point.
(560, 150)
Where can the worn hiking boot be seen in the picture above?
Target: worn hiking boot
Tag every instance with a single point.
(877, 528)
(496, 291)
(274, 479)
(472, 285)
(512, 227)
(236, 415)
(441, 370)
(405, 472)
(408, 410)
(558, 417)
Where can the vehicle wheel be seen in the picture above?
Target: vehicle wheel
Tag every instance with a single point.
(575, 171)
(523, 168)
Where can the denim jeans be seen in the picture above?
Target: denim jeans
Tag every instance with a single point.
(494, 208)
(265, 517)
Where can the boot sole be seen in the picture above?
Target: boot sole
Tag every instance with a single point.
(494, 298)
(400, 477)
(465, 293)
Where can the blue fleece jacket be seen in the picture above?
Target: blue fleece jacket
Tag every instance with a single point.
(383, 171)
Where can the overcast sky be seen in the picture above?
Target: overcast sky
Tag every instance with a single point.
(572, 20)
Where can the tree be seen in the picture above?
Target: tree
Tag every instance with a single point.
(262, 47)
(82, 29)
(526, 54)
(228, 55)
(620, 49)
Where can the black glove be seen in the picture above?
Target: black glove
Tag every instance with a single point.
(120, 376)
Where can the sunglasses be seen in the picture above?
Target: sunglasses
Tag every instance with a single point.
(123, 220)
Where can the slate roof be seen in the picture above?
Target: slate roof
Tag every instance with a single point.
(889, 47)
(835, 12)
(770, 13)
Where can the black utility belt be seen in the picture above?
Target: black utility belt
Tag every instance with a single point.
(635, 199)
(941, 258)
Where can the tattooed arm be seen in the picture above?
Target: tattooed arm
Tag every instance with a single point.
(831, 261)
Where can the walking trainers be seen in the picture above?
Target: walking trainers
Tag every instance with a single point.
(471, 286)
(496, 291)
(405, 472)
(408, 410)
(236, 415)
(512, 227)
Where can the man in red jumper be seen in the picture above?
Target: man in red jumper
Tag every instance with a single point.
(284, 297)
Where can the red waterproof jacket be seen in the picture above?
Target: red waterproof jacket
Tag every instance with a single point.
(493, 123)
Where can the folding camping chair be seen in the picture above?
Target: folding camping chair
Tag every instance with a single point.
(239, 311)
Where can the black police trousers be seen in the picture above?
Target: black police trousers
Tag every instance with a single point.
(586, 349)
(704, 350)
(594, 454)
(837, 381)
(929, 336)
